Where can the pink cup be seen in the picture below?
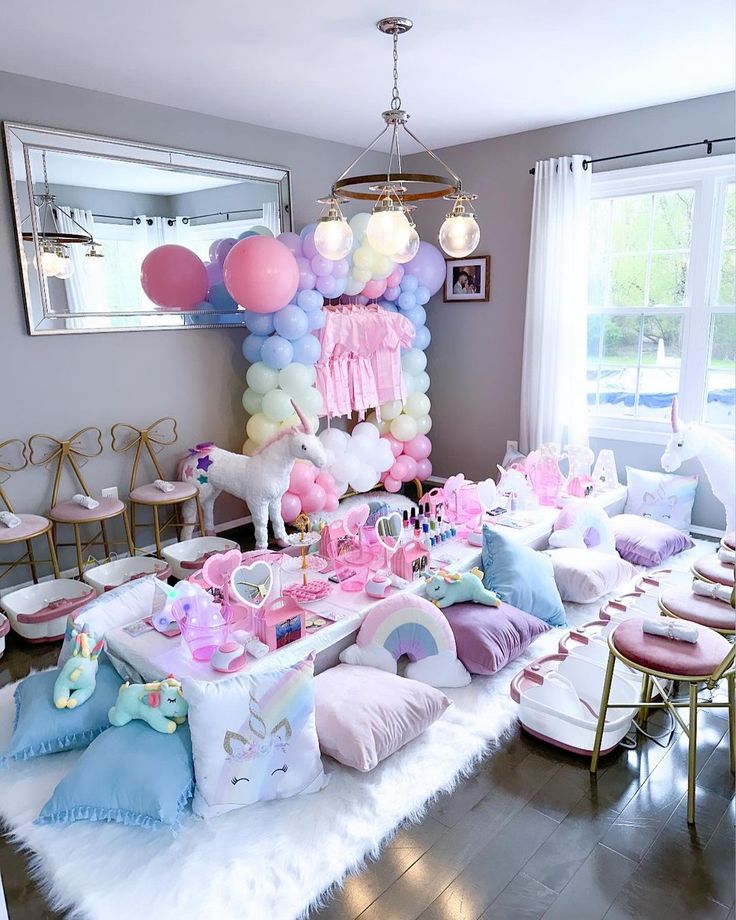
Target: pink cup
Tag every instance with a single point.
(352, 563)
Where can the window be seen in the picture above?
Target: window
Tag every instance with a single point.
(661, 295)
(199, 236)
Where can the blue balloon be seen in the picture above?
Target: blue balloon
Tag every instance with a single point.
(422, 295)
(392, 293)
(407, 300)
(221, 299)
(259, 323)
(387, 305)
(417, 315)
(316, 320)
(229, 319)
(307, 230)
(246, 234)
(422, 338)
(409, 283)
(306, 349)
(277, 352)
(291, 322)
(310, 300)
(339, 289)
(252, 345)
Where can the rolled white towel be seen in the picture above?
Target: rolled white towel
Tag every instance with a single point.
(86, 501)
(8, 519)
(670, 629)
(727, 556)
(719, 592)
(163, 486)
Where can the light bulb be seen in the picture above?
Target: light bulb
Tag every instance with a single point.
(459, 235)
(49, 263)
(65, 269)
(388, 230)
(410, 250)
(333, 238)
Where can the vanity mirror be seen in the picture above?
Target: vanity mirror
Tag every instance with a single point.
(89, 209)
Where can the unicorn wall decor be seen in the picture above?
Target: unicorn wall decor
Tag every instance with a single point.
(260, 480)
(716, 454)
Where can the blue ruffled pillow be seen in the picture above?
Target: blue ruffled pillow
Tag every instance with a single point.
(522, 577)
(132, 775)
(40, 728)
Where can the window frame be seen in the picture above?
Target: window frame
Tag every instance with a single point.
(709, 178)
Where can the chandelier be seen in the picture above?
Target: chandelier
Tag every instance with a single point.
(391, 229)
(53, 242)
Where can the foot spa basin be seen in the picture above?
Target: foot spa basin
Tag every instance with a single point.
(4, 630)
(630, 605)
(113, 574)
(190, 555)
(559, 698)
(590, 642)
(38, 613)
(653, 582)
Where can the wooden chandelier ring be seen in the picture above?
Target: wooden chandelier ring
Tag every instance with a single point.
(344, 186)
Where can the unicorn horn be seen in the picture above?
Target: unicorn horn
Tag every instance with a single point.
(674, 415)
(306, 427)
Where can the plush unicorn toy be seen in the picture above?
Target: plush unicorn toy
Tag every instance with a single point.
(716, 455)
(78, 676)
(260, 480)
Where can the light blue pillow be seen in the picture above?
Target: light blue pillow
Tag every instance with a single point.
(41, 728)
(521, 576)
(131, 775)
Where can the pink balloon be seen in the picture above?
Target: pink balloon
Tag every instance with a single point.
(419, 447)
(174, 277)
(374, 289)
(307, 278)
(395, 277)
(332, 502)
(261, 274)
(396, 446)
(326, 480)
(293, 243)
(390, 484)
(424, 469)
(302, 478)
(214, 272)
(291, 507)
(409, 465)
(220, 248)
(314, 500)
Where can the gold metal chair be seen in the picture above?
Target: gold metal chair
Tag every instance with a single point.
(158, 435)
(13, 458)
(661, 659)
(75, 451)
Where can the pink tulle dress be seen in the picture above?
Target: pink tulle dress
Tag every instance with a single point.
(360, 364)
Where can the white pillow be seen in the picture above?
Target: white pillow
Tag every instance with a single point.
(253, 738)
(584, 575)
(661, 496)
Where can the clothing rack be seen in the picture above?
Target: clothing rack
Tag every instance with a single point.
(708, 144)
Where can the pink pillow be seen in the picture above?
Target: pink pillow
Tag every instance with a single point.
(584, 575)
(364, 714)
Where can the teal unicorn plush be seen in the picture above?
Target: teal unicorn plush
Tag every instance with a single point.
(447, 588)
(78, 676)
(161, 704)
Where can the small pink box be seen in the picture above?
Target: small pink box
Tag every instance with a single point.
(410, 561)
(280, 624)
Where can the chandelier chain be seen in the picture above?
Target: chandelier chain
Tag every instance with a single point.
(395, 97)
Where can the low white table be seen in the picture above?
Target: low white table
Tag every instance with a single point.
(150, 656)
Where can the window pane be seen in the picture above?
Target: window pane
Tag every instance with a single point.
(600, 226)
(661, 355)
(628, 277)
(621, 339)
(617, 391)
(630, 223)
(721, 380)
(727, 285)
(667, 280)
(729, 218)
(595, 329)
(673, 219)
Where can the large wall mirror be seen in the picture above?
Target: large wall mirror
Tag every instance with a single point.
(89, 209)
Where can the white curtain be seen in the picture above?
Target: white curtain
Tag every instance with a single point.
(553, 385)
(271, 217)
(85, 289)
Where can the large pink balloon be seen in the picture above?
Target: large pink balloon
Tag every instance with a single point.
(390, 484)
(332, 502)
(424, 469)
(291, 507)
(326, 480)
(419, 447)
(374, 289)
(428, 267)
(396, 446)
(174, 277)
(261, 274)
(314, 500)
(302, 478)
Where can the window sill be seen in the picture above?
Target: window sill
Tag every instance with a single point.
(634, 434)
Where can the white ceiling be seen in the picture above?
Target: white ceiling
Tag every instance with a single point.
(469, 69)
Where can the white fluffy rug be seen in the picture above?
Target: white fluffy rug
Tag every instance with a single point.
(267, 862)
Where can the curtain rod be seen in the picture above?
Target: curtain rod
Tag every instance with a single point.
(225, 214)
(640, 153)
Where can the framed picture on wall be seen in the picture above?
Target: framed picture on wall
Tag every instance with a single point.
(468, 279)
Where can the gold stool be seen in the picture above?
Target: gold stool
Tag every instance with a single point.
(659, 659)
(75, 451)
(12, 459)
(162, 432)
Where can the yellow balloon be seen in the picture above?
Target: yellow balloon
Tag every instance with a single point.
(260, 428)
(391, 410)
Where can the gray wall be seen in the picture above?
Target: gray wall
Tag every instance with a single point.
(58, 384)
(476, 351)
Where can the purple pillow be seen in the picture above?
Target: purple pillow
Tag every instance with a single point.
(488, 638)
(644, 541)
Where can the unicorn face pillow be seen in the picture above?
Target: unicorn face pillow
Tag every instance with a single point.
(254, 739)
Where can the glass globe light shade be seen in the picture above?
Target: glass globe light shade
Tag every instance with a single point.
(66, 268)
(333, 238)
(388, 231)
(49, 263)
(410, 250)
(459, 235)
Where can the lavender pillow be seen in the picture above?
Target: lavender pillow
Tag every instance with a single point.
(489, 637)
(644, 541)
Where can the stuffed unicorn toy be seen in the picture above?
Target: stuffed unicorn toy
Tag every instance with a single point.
(447, 588)
(715, 453)
(161, 704)
(260, 480)
(78, 676)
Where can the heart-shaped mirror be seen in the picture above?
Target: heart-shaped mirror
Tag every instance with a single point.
(217, 569)
(355, 519)
(252, 584)
(487, 493)
(388, 531)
